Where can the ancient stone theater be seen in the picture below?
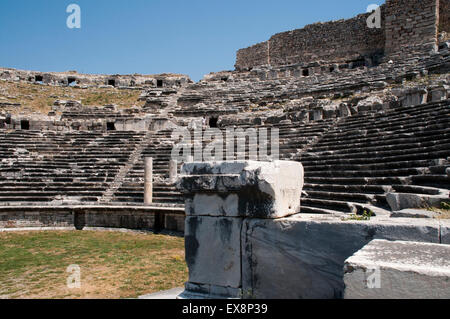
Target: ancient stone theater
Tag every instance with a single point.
(354, 182)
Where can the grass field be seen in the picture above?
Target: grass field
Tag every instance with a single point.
(113, 265)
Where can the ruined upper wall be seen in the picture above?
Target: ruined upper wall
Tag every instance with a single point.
(411, 26)
(257, 54)
(444, 17)
(407, 27)
(336, 41)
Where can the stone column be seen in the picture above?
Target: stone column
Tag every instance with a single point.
(173, 170)
(220, 197)
(148, 182)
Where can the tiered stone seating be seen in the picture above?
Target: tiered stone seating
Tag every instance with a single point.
(87, 113)
(159, 147)
(61, 168)
(368, 155)
(349, 162)
(246, 89)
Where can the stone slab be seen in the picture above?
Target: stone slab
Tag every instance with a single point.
(400, 201)
(164, 295)
(398, 270)
(445, 231)
(205, 291)
(414, 213)
(302, 257)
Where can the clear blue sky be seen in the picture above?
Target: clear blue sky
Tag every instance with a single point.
(192, 37)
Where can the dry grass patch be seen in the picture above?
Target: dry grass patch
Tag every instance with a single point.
(40, 98)
(443, 212)
(113, 265)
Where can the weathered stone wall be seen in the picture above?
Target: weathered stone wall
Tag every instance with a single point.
(411, 25)
(342, 40)
(35, 218)
(244, 240)
(444, 17)
(137, 218)
(257, 54)
(408, 27)
(303, 256)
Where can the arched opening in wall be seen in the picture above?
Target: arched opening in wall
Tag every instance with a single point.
(132, 83)
(213, 121)
(159, 83)
(39, 78)
(305, 72)
(224, 79)
(110, 126)
(357, 64)
(410, 76)
(72, 81)
(25, 125)
(112, 82)
(332, 69)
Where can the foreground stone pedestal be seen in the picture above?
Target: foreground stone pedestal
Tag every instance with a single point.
(244, 238)
(219, 197)
(399, 270)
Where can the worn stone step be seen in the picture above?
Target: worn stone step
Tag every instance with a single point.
(388, 156)
(339, 206)
(357, 180)
(440, 181)
(414, 189)
(382, 140)
(372, 167)
(319, 211)
(366, 173)
(353, 197)
(49, 193)
(365, 189)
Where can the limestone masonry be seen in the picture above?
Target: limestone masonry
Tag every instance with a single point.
(362, 117)
(407, 26)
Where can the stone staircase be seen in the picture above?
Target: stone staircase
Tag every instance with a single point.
(135, 156)
(131, 191)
